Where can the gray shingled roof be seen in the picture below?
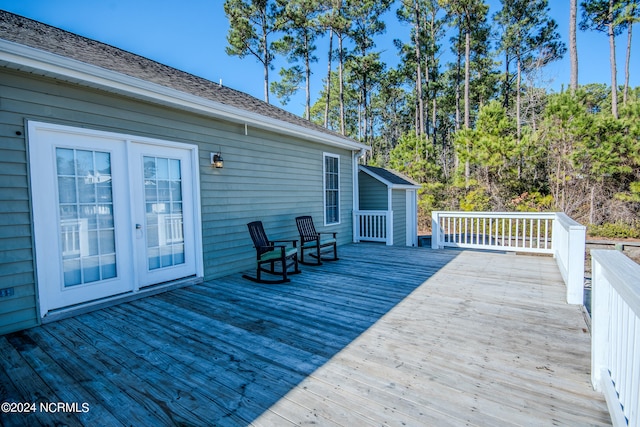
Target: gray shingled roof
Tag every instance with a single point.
(394, 177)
(41, 36)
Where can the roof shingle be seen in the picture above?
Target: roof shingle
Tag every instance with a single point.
(394, 177)
(54, 40)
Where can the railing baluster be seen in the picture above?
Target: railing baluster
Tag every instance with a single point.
(492, 239)
(527, 232)
(484, 231)
(463, 236)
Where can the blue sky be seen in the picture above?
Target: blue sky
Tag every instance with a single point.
(191, 35)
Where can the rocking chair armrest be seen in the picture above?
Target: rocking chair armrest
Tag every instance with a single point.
(294, 242)
(270, 247)
(334, 233)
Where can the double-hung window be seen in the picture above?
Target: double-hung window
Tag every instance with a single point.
(331, 171)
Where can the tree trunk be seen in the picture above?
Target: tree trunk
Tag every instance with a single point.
(573, 46)
(467, 79)
(458, 68)
(365, 108)
(307, 86)
(467, 119)
(518, 99)
(420, 121)
(341, 83)
(592, 205)
(518, 112)
(612, 59)
(627, 61)
(328, 86)
(506, 80)
(266, 68)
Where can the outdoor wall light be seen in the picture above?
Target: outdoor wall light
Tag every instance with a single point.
(216, 160)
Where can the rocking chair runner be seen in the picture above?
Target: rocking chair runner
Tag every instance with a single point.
(269, 252)
(310, 239)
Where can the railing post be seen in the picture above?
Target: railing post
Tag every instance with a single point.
(356, 227)
(568, 244)
(599, 334)
(436, 231)
(389, 227)
(575, 267)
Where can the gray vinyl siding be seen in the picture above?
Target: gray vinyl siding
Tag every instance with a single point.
(373, 194)
(399, 202)
(16, 266)
(266, 176)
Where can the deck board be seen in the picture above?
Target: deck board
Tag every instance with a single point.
(385, 336)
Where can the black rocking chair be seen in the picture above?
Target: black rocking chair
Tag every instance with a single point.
(270, 252)
(310, 239)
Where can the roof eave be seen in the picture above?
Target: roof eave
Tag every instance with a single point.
(387, 182)
(25, 58)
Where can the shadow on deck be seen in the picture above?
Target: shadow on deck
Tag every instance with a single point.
(354, 342)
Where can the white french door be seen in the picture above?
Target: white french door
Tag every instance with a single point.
(163, 196)
(112, 213)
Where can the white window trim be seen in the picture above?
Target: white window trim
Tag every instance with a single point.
(324, 188)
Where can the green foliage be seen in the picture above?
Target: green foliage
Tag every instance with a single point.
(601, 153)
(532, 202)
(491, 148)
(445, 128)
(632, 195)
(415, 157)
(291, 79)
(351, 107)
(596, 97)
(617, 230)
(251, 23)
(476, 200)
(596, 15)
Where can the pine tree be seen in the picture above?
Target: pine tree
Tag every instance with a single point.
(603, 16)
(251, 23)
(299, 21)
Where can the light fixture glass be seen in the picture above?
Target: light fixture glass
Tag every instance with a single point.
(216, 160)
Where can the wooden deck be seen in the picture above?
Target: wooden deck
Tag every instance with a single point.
(385, 336)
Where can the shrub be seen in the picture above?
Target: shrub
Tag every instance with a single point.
(617, 230)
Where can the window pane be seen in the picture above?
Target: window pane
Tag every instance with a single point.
(72, 274)
(86, 190)
(84, 163)
(108, 264)
(91, 269)
(66, 189)
(332, 189)
(65, 162)
(86, 222)
(163, 168)
(163, 198)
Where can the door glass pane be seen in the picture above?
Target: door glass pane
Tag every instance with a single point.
(163, 211)
(85, 203)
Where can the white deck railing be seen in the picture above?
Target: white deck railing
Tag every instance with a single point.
(545, 232)
(373, 226)
(615, 330)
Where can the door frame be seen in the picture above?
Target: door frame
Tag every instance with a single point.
(41, 208)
